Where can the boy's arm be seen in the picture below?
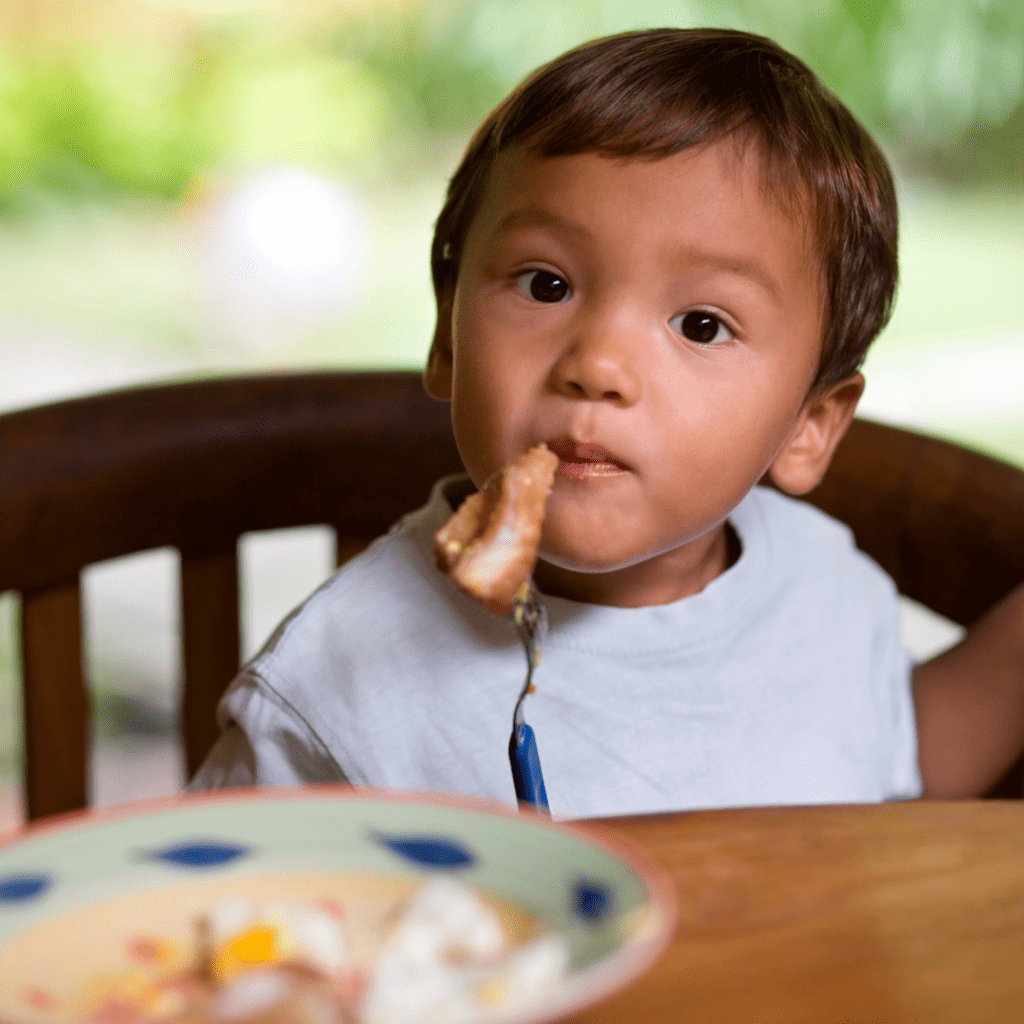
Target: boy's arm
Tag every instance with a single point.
(264, 742)
(969, 703)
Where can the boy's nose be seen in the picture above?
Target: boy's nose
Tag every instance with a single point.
(599, 362)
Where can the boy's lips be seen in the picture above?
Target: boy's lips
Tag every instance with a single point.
(578, 460)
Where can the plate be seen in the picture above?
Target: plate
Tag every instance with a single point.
(88, 894)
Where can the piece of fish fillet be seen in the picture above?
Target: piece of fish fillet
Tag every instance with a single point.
(489, 546)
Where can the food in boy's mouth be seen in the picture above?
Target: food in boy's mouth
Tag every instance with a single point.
(489, 546)
(581, 461)
(445, 956)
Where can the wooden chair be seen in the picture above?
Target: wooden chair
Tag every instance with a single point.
(195, 465)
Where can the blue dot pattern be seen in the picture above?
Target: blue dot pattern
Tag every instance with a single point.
(22, 888)
(430, 851)
(591, 900)
(200, 854)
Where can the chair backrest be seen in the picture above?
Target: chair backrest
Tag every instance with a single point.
(196, 465)
(191, 466)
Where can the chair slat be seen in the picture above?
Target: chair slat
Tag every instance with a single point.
(211, 646)
(57, 704)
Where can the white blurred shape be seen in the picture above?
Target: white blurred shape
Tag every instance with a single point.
(925, 633)
(946, 382)
(282, 253)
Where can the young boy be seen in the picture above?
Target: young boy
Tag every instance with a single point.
(664, 255)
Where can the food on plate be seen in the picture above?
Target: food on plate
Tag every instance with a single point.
(235, 934)
(444, 956)
(489, 546)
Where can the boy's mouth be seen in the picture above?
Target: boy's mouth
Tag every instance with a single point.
(578, 460)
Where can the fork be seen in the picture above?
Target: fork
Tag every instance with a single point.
(530, 620)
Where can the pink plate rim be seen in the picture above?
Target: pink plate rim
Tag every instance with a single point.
(630, 962)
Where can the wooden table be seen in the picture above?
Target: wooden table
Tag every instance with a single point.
(909, 913)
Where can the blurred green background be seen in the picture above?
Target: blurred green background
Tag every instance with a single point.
(120, 119)
(101, 100)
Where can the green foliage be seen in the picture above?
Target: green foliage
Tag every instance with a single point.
(941, 81)
(95, 122)
(436, 79)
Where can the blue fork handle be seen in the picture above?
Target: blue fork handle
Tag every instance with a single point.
(526, 773)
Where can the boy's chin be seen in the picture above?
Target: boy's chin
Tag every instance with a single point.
(602, 543)
(589, 562)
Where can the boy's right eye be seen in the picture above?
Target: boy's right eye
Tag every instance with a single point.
(544, 285)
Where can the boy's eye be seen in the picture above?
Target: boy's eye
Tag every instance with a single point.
(544, 286)
(699, 326)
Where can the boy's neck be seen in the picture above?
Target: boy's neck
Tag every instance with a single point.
(669, 577)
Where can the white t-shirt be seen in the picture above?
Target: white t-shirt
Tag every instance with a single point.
(782, 682)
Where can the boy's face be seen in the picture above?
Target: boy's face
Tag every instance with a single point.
(658, 325)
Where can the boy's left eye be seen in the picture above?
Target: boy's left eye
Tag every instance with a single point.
(544, 285)
(700, 326)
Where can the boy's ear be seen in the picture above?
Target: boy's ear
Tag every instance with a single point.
(437, 377)
(803, 459)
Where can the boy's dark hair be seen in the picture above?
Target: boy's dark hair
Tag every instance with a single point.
(653, 93)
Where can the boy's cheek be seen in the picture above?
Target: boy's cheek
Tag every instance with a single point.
(491, 428)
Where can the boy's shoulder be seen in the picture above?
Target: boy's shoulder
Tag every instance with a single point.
(394, 580)
(788, 515)
(804, 541)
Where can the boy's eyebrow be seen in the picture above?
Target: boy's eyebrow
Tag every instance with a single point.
(736, 265)
(534, 216)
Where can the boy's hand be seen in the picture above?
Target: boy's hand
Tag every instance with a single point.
(969, 703)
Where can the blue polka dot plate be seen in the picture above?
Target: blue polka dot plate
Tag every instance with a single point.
(89, 895)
